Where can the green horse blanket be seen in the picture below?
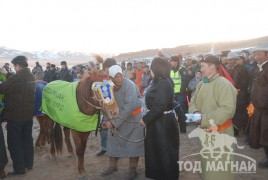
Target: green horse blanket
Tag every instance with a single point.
(59, 103)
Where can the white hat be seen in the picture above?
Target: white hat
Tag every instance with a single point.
(191, 58)
(232, 55)
(113, 70)
(261, 47)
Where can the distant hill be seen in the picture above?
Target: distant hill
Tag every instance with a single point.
(195, 49)
(6, 54)
(73, 58)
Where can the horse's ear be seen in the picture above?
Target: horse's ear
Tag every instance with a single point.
(98, 58)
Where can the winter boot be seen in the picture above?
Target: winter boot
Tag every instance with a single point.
(264, 163)
(2, 173)
(112, 166)
(133, 163)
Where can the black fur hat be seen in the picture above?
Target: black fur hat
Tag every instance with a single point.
(21, 60)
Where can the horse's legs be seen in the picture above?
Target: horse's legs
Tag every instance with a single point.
(80, 140)
(68, 141)
(48, 128)
(52, 152)
(41, 133)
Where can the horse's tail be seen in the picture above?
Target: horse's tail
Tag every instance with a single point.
(239, 147)
(57, 140)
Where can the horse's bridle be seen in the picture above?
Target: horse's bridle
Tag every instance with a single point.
(95, 98)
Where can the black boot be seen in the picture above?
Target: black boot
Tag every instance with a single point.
(236, 132)
(2, 173)
(101, 152)
(264, 163)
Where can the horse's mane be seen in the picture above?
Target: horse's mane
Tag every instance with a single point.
(98, 58)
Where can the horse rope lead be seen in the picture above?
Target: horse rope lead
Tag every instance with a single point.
(114, 130)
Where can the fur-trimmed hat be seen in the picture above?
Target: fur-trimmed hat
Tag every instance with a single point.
(261, 47)
(175, 58)
(63, 63)
(232, 55)
(211, 59)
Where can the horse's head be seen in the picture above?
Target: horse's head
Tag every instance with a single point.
(94, 91)
(104, 93)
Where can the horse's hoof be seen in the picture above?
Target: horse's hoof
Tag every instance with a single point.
(52, 158)
(72, 157)
(82, 177)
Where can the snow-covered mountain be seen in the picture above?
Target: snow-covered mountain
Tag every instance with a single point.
(7, 53)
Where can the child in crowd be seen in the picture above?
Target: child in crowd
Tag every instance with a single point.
(194, 82)
(146, 77)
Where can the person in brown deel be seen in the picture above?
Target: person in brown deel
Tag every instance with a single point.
(162, 141)
(3, 154)
(258, 133)
(19, 92)
(240, 77)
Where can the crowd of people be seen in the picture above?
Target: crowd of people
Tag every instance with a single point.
(220, 87)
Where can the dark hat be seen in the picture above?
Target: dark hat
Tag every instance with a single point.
(194, 61)
(63, 63)
(211, 59)
(225, 53)
(109, 62)
(21, 60)
(175, 58)
(146, 66)
(53, 65)
(74, 68)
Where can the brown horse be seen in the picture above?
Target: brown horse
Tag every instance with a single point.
(89, 100)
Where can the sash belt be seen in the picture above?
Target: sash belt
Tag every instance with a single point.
(221, 127)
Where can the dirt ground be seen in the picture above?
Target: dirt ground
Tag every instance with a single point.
(66, 168)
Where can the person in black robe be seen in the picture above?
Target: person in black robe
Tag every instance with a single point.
(162, 141)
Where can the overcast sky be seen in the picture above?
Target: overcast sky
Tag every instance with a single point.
(117, 26)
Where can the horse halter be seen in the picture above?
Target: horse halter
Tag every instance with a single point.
(105, 90)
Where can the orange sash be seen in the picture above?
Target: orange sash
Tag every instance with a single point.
(250, 109)
(136, 112)
(223, 126)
